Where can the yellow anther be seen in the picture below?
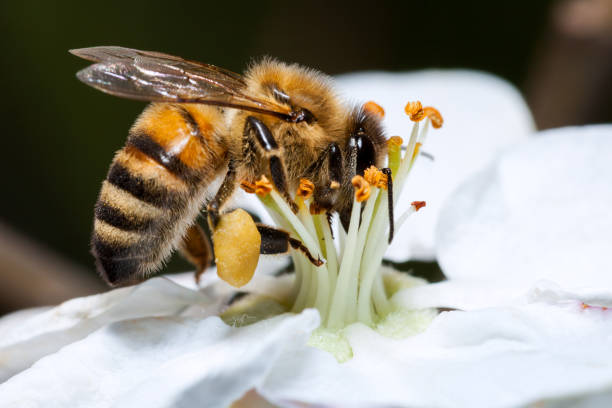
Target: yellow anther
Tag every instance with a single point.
(263, 186)
(395, 142)
(375, 177)
(415, 111)
(434, 115)
(362, 188)
(334, 185)
(417, 149)
(247, 186)
(374, 108)
(305, 189)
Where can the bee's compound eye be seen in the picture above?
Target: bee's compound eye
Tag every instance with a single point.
(366, 155)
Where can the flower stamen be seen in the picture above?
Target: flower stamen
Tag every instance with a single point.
(434, 115)
(346, 285)
(418, 205)
(415, 111)
(263, 186)
(248, 186)
(362, 188)
(375, 177)
(305, 189)
(374, 108)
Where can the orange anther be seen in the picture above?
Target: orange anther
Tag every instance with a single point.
(434, 115)
(263, 186)
(362, 188)
(395, 141)
(305, 188)
(247, 186)
(587, 306)
(418, 205)
(415, 111)
(374, 108)
(375, 177)
(334, 185)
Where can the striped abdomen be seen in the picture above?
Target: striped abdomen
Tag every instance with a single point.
(155, 188)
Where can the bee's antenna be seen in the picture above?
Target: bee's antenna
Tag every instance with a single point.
(387, 171)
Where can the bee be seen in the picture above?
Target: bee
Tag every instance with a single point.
(204, 124)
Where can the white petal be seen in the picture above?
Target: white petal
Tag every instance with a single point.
(542, 211)
(482, 114)
(537, 353)
(159, 362)
(27, 336)
(474, 295)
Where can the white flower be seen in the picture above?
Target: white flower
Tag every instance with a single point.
(521, 342)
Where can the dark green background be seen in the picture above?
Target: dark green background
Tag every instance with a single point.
(59, 135)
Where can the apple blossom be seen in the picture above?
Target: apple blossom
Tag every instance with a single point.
(517, 341)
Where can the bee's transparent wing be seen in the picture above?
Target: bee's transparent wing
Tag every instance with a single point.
(154, 76)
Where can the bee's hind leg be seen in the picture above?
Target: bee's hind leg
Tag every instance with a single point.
(195, 248)
(277, 241)
(255, 128)
(223, 194)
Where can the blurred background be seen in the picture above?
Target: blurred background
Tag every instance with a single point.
(59, 135)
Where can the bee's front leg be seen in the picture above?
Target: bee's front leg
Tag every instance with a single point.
(256, 131)
(278, 241)
(330, 165)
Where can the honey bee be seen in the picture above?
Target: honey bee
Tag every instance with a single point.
(205, 123)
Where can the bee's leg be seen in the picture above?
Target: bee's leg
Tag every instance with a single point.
(349, 171)
(223, 194)
(195, 248)
(277, 241)
(330, 163)
(265, 140)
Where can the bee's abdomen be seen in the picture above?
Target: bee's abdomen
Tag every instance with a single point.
(154, 189)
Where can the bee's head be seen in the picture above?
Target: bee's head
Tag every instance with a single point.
(366, 143)
(365, 146)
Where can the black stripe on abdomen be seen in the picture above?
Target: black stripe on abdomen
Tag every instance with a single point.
(119, 272)
(143, 142)
(113, 216)
(148, 191)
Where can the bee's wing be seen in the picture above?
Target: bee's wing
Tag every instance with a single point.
(153, 76)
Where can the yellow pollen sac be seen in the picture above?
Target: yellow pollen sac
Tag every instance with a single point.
(263, 186)
(334, 185)
(305, 189)
(434, 115)
(236, 242)
(415, 111)
(374, 108)
(418, 205)
(362, 188)
(375, 177)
